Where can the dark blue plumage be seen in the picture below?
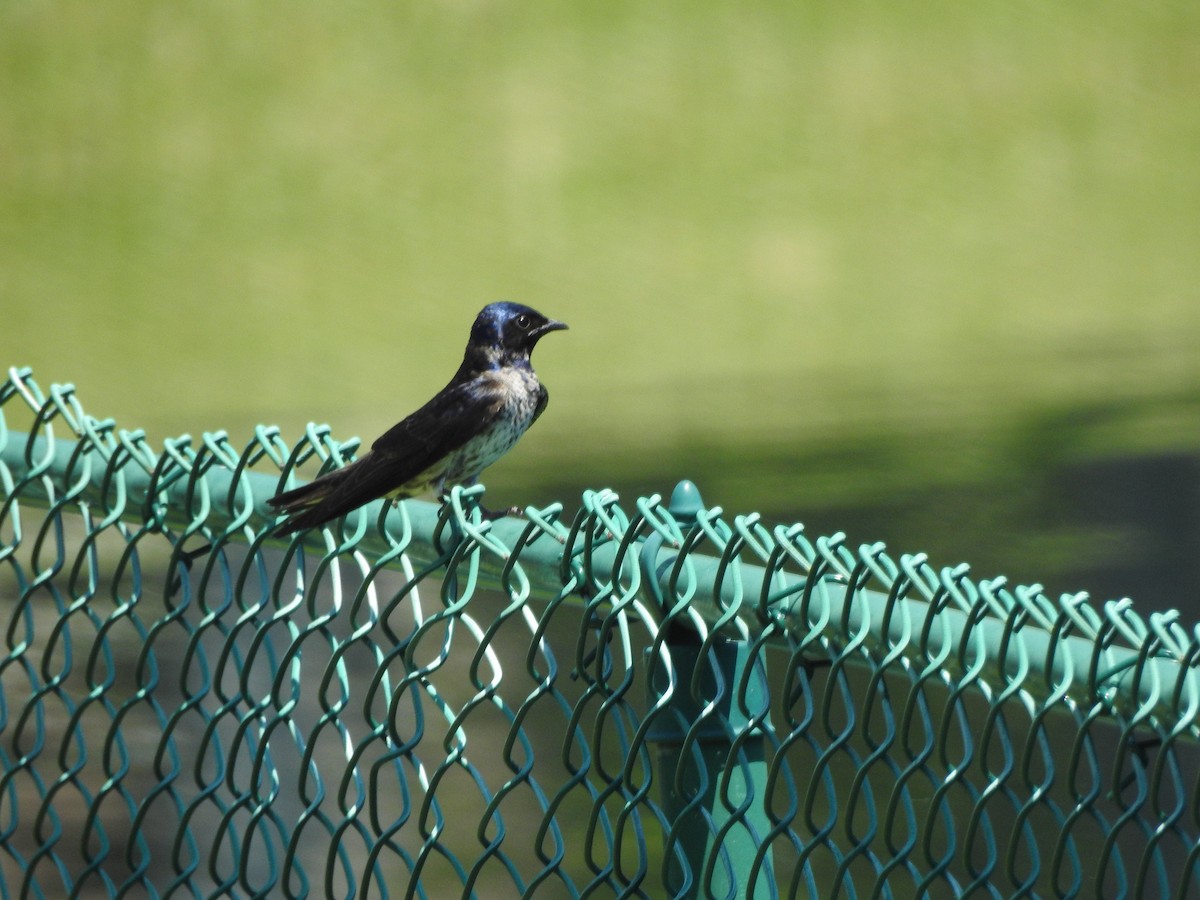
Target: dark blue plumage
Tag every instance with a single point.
(490, 402)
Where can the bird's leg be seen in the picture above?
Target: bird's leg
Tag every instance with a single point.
(489, 515)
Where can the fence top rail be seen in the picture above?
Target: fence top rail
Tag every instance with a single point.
(687, 563)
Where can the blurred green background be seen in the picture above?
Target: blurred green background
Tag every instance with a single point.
(924, 274)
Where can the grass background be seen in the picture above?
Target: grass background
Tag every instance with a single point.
(928, 275)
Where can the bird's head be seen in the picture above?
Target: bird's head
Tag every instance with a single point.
(505, 333)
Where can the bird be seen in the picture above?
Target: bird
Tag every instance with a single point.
(474, 420)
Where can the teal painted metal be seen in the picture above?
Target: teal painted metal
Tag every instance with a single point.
(714, 703)
(712, 767)
(971, 622)
(422, 703)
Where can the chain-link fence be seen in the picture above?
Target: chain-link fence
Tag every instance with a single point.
(643, 700)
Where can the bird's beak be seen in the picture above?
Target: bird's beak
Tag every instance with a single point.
(552, 325)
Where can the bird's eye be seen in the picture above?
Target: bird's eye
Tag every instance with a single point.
(522, 321)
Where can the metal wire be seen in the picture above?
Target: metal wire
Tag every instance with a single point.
(643, 701)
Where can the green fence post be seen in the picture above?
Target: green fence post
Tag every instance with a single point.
(712, 774)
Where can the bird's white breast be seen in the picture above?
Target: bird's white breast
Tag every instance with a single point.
(520, 390)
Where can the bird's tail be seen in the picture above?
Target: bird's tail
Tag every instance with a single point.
(306, 505)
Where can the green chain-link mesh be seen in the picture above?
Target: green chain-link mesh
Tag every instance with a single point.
(644, 701)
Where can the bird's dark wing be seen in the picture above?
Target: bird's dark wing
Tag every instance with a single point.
(542, 399)
(456, 414)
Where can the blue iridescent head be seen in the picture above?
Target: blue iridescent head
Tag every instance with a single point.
(509, 331)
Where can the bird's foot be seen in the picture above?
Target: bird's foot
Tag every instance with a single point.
(489, 515)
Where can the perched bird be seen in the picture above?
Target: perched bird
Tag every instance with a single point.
(468, 425)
